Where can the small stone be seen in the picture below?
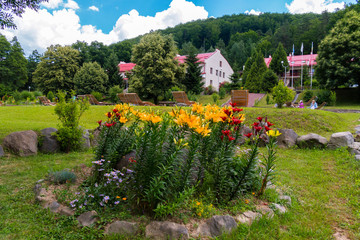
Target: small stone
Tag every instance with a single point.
(88, 218)
(40, 195)
(66, 211)
(243, 219)
(122, 227)
(166, 230)
(265, 210)
(341, 139)
(280, 208)
(216, 226)
(286, 199)
(54, 206)
(357, 137)
(86, 139)
(252, 215)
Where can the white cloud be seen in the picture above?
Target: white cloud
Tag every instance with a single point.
(94, 8)
(52, 4)
(38, 30)
(315, 6)
(253, 12)
(72, 5)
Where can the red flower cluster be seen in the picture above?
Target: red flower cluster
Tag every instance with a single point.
(110, 124)
(109, 114)
(227, 134)
(259, 127)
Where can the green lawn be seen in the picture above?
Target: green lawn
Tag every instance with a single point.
(324, 186)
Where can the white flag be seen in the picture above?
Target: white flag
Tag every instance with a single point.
(302, 48)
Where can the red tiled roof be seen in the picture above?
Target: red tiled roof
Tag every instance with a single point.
(298, 60)
(125, 67)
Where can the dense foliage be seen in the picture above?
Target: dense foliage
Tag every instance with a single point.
(57, 68)
(90, 77)
(338, 60)
(282, 94)
(193, 78)
(157, 69)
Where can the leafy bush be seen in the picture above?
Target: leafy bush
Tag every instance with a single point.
(63, 176)
(222, 93)
(97, 95)
(326, 96)
(192, 96)
(27, 95)
(16, 95)
(37, 94)
(69, 112)
(282, 94)
(113, 91)
(50, 95)
(209, 90)
(308, 95)
(215, 98)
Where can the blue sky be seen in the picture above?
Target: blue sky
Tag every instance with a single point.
(66, 21)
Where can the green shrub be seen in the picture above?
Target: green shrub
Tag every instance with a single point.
(63, 176)
(27, 95)
(16, 95)
(267, 99)
(97, 95)
(215, 98)
(192, 96)
(222, 93)
(37, 94)
(326, 96)
(69, 133)
(282, 94)
(308, 95)
(113, 91)
(51, 96)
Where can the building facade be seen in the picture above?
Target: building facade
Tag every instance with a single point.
(293, 71)
(214, 67)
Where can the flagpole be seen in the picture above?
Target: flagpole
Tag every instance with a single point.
(292, 67)
(311, 76)
(302, 59)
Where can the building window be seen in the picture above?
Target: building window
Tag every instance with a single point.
(210, 82)
(210, 70)
(223, 74)
(217, 72)
(220, 63)
(220, 73)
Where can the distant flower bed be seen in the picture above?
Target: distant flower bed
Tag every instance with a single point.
(176, 156)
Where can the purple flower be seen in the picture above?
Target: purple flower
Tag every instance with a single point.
(101, 169)
(90, 195)
(116, 202)
(106, 175)
(106, 198)
(77, 193)
(101, 195)
(129, 171)
(101, 204)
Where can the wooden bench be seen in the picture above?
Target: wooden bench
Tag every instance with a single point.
(181, 98)
(240, 97)
(45, 101)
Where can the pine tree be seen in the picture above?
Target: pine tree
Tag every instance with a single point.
(193, 79)
(235, 81)
(257, 70)
(278, 57)
(112, 70)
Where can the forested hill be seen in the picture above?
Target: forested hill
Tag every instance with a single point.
(237, 35)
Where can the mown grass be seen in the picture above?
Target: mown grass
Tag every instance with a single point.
(302, 121)
(324, 186)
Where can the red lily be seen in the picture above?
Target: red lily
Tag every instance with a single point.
(231, 138)
(237, 109)
(269, 124)
(115, 110)
(109, 114)
(226, 132)
(248, 135)
(233, 104)
(259, 118)
(267, 128)
(99, 122)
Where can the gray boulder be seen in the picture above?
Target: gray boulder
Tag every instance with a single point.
(341, 139)
(280, 208)
(88, 218)
(22, 143)
(355, 148)
(311, 140)
(357, 157)
(96, 135)
(242, 139)
(122, 227)
(287, 138)
(166, 230)
(216, 226)
(1, 151)
(49, 142)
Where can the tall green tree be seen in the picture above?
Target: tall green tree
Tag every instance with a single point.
(8, 8)
(338, 62)
(32, 62)
(57, 68)
(279, 60)
(112, 70)
(13, 72)
(257, 70)
(188, 48)
(156, 69)
(90, 77)
(235, 81)
(17, 64)
(193, 79)
(269, 80)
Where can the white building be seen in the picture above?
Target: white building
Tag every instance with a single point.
(215, 68)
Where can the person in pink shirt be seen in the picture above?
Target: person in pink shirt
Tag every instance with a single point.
(301, 104)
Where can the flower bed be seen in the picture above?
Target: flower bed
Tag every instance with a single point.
(181, 158)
